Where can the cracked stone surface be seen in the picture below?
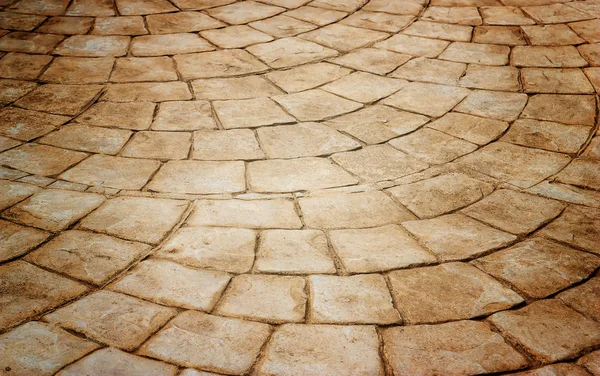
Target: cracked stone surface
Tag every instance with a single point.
(299, 187)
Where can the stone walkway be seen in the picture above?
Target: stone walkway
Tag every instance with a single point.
(299, 187)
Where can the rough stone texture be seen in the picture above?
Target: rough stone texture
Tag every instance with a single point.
(315, 105)
(584, 298)
(40, 159)
(577, 226)
(16, 240)
(250, 113)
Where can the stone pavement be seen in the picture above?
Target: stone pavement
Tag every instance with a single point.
(299, 187)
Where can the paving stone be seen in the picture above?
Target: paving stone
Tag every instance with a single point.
(133, 7)
(181, 22)
(580, 172)
(555, 13)
(282, 26)
(372, 60)
(432, 146)
(317, 16)
(584, 298)
(135, 116)
(413, 8)
(452, 291)
(250, 113)
(456, 348)
(307, 76)
(364, 87)
(32, 43)
(67, 25)
(111, 360)
(492, 104)
(547, 57)
(506, 35)
(470, 128)
(293, 252)
(136, 218)
(199, 177)
(454, 15)
(40, 159)
(88, 138)
(158, 145)
(157, 45)
(13, 192)
(312, 105)
(16, 240)
(590, 52)
(343, 38)
(414, 46)
(217, 64)
(235, 144)
(77, 70)
(377, 21)
(125, 25)
(289, 4)
(588, 30)
(247, 11)
(456, 236)
(60, 99)
(486, 54)
(49, 8)
(577, 226)
(431, 70)
(23, 66)
(28, 291)
(230, 250)
(136, 69)
(351, 210)
(345, 5)
(236, 36)
(418, 97)
(288, 52)
(439, 31)
(148, 91)
(184, 116)
(491, 78)
(548, 329)
(195, 339)
(115, 319)
(326, 349)
(234, 88)
(276, 213)
(567, 109)
(7, 143)
(93, 46)
(11, 90)
(22, 22)
(505, 15)
(22, 354)
(551, 35)
(547, 135)
(565, 81)
(556, 369)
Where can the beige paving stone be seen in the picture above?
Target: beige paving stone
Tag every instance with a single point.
(307, 76)
(93, 258)
(111, 360)
(548, 329)
(193, 372)
(456, 236)
(593, 75)
(452, 291)
(115, 319)
(133, 7)
(372, 60)
(439, 31)
(345, 5)
(565, 192)
(588, 30)
(485, 54)
(556, 369)
(158, 145)
(13, 192)
(125, 25)
(28, 291)
(455, 15)
(551, 35)
(410, 7)
(506, 35)
(239, 36)
(52, 7)
(195, 339)
(419, 97)
(184, 116)
(199, 177)
(60, 99)
(136, 69)
(312, 105)
(288, 52)
(93, 46)
(276, 213)
(344, 38)
(351, 210)
(250, 113)
(415, 46)
(234, 88)
(377, 21)
(303, 140)
(493, 104)
(40, 159)
(577, 226)
(584, 298)
(491, 78)
(112, 172)
(302, 174)
(379, 162)
(23, 66)
(376, 124)
(264, 298)
(456, 348)
(22, 354)
(54, 210)
(217, 64)
(136, 218)
(11, 90)
(282, 26)
(77, 70)
(147, 91)
(566, 109)
(470, 128)
(67, 25)
(172, 44)
(593, 149)
(181, 22)
(247, 11)
(433, 146)
(317, 16)
(325, 349)
(11, 174)
(505, 15)
(16, 240)
(547, 135)
(230, 250)
(22, 22)
(361, 299)
(582, 173)
(556, 13)
(364, 87)
(546, 57)
(7, 143)
(565, 81)
(431, 70)
(289, 4)
(88, 138)
(293, 252)
(135, 116)
(32, 43)
(235, 144)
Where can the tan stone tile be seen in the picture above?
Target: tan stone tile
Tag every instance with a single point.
(455, 15)
(432, 146)
(158, 145)
(112, 172)
(328, 349)
(312, 105)
(193, 372)
(556, 369)
(40, 181)
(235, 144)
(195, 339)
(11, 90)
(566, 109)
(307, 76)
(592, 150)
(22, 354)
(230, 250)
(40, 159)
(13, 192)
(157, 45)
(584, 298)
(473, 129)
(587, 7)
(236, 36)
(7, 143)
(77, 70)
(136, 69)
(21, 22)
(276, 213)
(181, 22)
(293, 252)
(282, 26)
(551, 35)
(93, 46)
(418, 97)
(440, 31)
(581, 173)
(376, 124)
(547, 135)
(184, 116)
(377, 21)
(147, 91)
(546, 57)
(548, 329)
(431, 70)
(67, 25)
(364, 87)
(452, 291)
(505, 15)
(91, 8)
(32, 43)
(565, 81)
(250, 113)
(10, 174)
(493, 104)
(287, 52)
(590, 52)
(241, 13)
(28, 291)
(23, 66)
(88, 138)
(408, 7)
(234, 88)
(198, 177)
(115, 319)
(457, 348)
(124, 25)
(302, 174)
(289, 4)
(556, 13)
(372, 60)
(60, 99)
(135, 116)
(344, 38)
(491, 78)
(351, 210)
(217, 64)
(112, 361)
(588, 30)
(456, 237)
(90, 257)
(344, 5)
(486, 54)
(16, 240)
(136, 218)
(317, 16)
(568, 193)
(506, 35)
(133, 7)
(414, 46)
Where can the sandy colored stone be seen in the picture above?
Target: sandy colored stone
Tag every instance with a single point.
(171, 44)
(16, 240)
(505, 15)
(578, 226)
(548, 329)
(7, 143)
(220, 344)
(115, 319)
(184, 116)
(565, 81)
(555, 13)
(546, 57)
(181, 22)
(567, 109)
(408, 7)
(377, 21)
(345, 6)
(136, 218)
(431, 70)
(581, 173)
(439, 31)
(276, 213)
(588, 30)
(591, 362)
(223, 63)
(135, 116)
(93, 46)
(307, 76)
(11, 90)
(470, 128)
(60, 99)
(456, 236)
(584, 298)
(454, 15)
(88, 138)
(136, 69)
(432, 146)
(235, 144)
(344, 38)
(293, 252)
(230, 250)
(148, 91)
(351, 210)
(555, 369)
(112, 172)
(287, 52)
(23, 66)
(492, 104)
(247, 11)
(32, 43)
(67, 25)
(21, 352)
(234, 88)
(491, 78)
(199, 177)
(448, 292)
(547, 135)
(22, 22)
(418, 97)
(315, 104)
(158, 145)
(415, 46)
(40, 159)
(364, 87)
(124, 25)
(250, 113)
(236, 36)
(551, 35)
(372, 60)
(132, 7)
(28, 291)
(26, 125)
(317, 16)
(456, 348)
(13, 192)
(282, 26)
(49, 8)
(326, 349)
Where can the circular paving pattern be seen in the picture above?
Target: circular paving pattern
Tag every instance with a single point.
(297, 187)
